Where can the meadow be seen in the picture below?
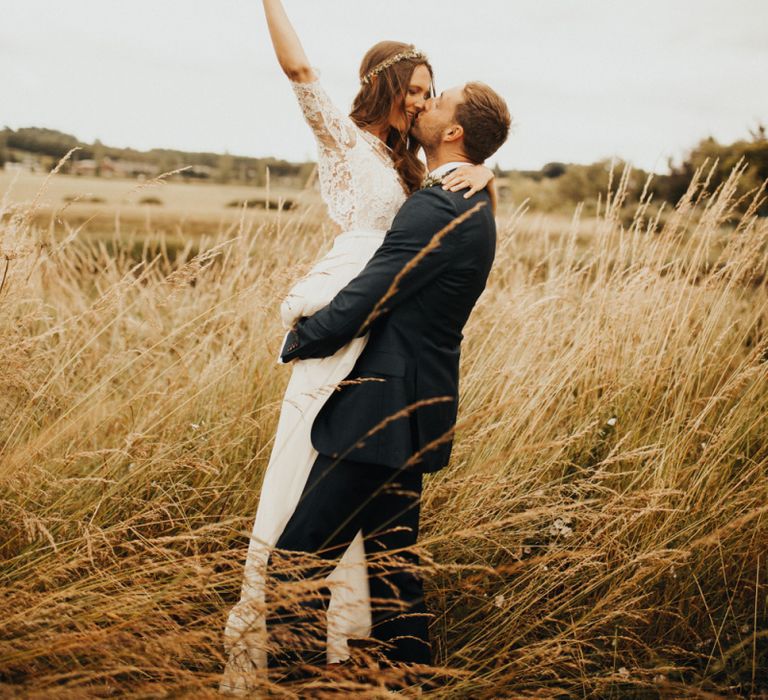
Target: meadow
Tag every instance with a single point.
(601, 531)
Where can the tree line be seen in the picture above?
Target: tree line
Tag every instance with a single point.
(558, 186)
(48, 146)
(555, 186)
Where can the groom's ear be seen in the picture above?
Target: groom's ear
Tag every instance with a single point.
(453, 133)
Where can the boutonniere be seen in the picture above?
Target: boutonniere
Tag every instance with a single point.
(429, 181)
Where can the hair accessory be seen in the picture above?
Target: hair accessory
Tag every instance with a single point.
(402, 56)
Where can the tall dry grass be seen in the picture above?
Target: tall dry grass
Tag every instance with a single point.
(602, 530)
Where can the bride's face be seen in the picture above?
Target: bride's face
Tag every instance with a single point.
(416, 96)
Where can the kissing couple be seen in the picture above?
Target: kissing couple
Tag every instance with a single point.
(373, 340)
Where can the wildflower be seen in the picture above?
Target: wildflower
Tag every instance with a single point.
(612, 420)
(554, 528)
(745, 629)
(195, 426)
(624, 673)
(561, 526)
(498, 601)
(659, 678)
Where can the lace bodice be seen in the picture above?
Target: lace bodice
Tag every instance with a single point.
(358, 182)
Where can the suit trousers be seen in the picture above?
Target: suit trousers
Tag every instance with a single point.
(339, 498)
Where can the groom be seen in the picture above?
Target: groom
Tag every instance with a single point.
(392, 419)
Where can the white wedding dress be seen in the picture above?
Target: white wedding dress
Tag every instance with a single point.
(363, 193)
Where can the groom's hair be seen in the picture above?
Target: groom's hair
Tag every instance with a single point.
(485, 119)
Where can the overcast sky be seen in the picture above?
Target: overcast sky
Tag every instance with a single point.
(584, 79)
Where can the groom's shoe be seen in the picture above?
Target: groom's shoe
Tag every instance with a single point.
(362, 664)
(291, 666)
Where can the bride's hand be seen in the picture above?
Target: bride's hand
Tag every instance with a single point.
(474, 177)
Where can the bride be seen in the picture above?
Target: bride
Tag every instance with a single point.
(367, 168)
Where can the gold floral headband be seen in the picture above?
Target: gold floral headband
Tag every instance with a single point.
(402, 56)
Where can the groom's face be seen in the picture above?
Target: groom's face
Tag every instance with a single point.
(438, 119)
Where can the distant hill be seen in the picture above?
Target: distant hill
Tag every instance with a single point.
(40, 149)
(556, 186)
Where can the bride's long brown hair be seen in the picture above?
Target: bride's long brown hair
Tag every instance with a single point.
(373, 105)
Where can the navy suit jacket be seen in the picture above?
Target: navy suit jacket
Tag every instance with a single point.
(413, 297)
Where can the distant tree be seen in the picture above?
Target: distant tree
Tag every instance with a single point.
(42, 141)
(3, 145)
(583, 182)
(553, 170)
(721, 159)
(226, 167)
(282, 168)
(758, 133)
(99, 151)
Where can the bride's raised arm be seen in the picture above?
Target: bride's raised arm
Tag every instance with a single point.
(334, 131)
(288, 49)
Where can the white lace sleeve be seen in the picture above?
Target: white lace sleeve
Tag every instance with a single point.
(332, 128)
(337, 137)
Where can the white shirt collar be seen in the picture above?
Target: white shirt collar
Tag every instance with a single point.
(445, 167)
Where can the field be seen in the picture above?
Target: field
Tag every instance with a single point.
(602, 530)
(104, 207)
